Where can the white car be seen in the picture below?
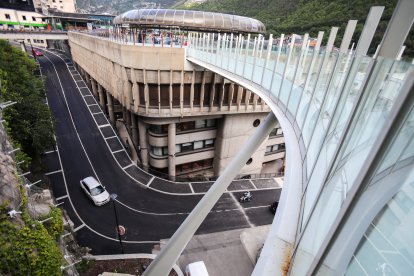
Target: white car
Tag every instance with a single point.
(95, 191)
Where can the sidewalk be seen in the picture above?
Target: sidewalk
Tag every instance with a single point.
(226, 253)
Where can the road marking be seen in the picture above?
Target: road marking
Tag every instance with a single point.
(50, 151)
(62, 197)
(105, 125)
(79, 227)
(78, 80)
(49, 173)
(92, 105)
(152, 179)
(191, 187)
(97, 113)
(117, 150)
(130, 165)
(110, 137)
(253, 184)
(240, 208)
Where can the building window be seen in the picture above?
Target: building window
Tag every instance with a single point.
(211, 122)
(33, 18)
(7, 16)
(196, 145)
(24, 17)
(185, 126)
(194, 166)
(159, 129)
(256, 123)
(249, 161)
(274, 148)
(276, 132)
(159, 151)
(198, 124)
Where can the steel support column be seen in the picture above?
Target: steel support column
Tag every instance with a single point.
(170, 253)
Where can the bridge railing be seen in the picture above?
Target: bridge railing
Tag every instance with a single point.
(337, 100)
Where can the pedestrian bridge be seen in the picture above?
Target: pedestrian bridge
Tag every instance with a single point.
(24, 35)
(347, 119)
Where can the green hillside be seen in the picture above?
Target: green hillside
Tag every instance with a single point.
(294, 16)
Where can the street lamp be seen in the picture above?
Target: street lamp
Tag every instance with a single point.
(113, 197)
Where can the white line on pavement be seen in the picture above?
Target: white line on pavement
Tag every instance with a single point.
(49, 173)
(130, 165)
(152, 179)
(79, 227)
(62, 197)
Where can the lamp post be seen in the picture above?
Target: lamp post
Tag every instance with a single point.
(113, 197)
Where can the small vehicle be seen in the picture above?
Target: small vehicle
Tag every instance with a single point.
(247, 196)
(37, 53)
(273, 207)
(95, 191)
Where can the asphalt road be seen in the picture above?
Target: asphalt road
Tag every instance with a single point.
(147, 214)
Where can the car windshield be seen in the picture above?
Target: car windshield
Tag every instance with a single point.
(97, 191)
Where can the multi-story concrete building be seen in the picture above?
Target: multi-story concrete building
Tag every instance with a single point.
(184, 119)
(59, 5)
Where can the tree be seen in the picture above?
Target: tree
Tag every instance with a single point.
(29, 121)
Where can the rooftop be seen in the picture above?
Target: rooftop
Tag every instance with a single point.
(191, 20)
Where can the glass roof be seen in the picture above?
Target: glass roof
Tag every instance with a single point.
(192, 20)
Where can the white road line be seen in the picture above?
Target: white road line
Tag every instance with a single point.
(110, 137)
(49, 173)
(191, 187)
(100, 112)
(105, 125)
(118, 151)
(50, 151)
(240, 208)
(79, 227)
(152, 179)
(63, 173)
(149, 213)
(130, 165)
(253, 184)
(93, 105)
(62, 197)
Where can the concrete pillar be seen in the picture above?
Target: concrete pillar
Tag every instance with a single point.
(134, 129)
(202, 91)
(212, 90)
(94, 88)
(231, 95)
(171, 149)
(88, 80)
(110, 108)
(192, 90)
(143, 142)
(169, 254)
(101, 98)
(171, 92)
(128, 119)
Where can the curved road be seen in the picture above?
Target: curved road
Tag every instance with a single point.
(149, 208)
